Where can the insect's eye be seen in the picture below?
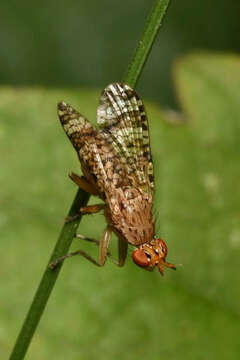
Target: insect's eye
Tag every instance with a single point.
(140, 258)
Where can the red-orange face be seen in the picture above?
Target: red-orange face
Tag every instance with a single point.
(151, 254)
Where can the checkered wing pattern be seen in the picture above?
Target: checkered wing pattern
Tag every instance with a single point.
(100, 164)
(123, 123)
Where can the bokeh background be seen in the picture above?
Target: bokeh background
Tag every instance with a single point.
(54, 50)
(81, 43)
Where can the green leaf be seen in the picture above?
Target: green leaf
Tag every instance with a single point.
(209, 89)
(127, 313)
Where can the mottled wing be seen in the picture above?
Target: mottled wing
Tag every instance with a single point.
(82, 136)
(123, 123)
(100, 164)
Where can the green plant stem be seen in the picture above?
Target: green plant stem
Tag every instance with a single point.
(145, 44)
(69, 229)
(48, 280)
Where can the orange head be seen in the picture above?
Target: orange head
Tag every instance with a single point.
(151, 254)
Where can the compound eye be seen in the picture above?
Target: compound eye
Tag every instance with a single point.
(140, 258)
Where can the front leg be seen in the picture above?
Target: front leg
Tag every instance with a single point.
(103, 251)
(122, 249)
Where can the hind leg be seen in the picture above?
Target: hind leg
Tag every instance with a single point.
(82, 182)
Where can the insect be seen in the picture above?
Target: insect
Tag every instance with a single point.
(117, 166)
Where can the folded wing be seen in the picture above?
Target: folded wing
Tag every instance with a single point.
(123, 122)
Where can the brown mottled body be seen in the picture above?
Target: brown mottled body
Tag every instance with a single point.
(117, 166)
(128, 209)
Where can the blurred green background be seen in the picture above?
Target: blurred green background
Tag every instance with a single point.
(79, 43)
(71, 49)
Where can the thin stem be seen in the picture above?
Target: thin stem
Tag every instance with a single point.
(145, 44)
(48, 280)
(69, 229)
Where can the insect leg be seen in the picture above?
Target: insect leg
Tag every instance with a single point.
(53, 264)
(90, 209)
(96, 242)
(82, 237)
(103, 251)
(82, 182)
(122, 251)
(104, 245)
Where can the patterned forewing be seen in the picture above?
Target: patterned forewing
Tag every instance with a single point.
(123, 123)
(99, 161)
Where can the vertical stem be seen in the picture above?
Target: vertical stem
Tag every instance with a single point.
(145, 44)
(48, 280)
(69, 229)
